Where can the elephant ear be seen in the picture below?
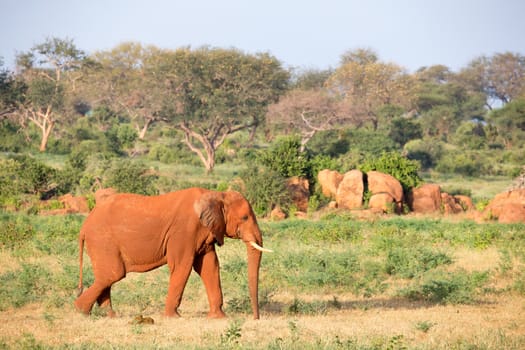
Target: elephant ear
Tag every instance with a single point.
(210, 210)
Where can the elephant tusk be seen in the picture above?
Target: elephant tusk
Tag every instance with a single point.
(258, 247)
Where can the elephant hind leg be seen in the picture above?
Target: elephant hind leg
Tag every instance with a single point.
(104, 301)
(84, 303)
(100, 291)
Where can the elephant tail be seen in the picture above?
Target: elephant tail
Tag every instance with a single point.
(81, 239)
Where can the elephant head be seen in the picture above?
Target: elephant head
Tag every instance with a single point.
(229, 214)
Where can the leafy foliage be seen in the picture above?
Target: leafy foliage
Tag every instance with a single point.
(285, 158)
(264, 188)
(393, 163)
(131, 177)
(438, 286)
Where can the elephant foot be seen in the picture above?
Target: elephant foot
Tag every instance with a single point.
(82, 309)
(216, 314)
(173, 314)
(111, 314)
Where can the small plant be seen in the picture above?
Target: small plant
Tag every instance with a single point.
(424, 326)
(232, 335)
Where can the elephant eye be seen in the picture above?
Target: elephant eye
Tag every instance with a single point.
(244, 218)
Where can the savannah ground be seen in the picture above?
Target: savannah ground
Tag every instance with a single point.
(334, 282)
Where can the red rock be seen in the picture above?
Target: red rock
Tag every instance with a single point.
(350, 191)
(329, 181)
(425, 199)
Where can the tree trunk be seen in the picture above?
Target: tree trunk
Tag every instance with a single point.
(142, 132)
(46, 131)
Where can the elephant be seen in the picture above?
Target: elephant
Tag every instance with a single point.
(135, 233)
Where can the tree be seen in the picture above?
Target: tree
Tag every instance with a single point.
(366, 85)
(443, 102)
(126, 79)
(510, 122)
(11, 92)
(309, 112)
(217, 92)
(501, 77)
(43, 69)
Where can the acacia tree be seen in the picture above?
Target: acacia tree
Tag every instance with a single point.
(501, 77)
(43, 69)
(366, 85)
(443, 103)
(124, 80)
(217, 92)
(11, 92)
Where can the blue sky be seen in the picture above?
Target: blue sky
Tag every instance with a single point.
(301, 34)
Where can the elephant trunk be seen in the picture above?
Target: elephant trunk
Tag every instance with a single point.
(254, 262)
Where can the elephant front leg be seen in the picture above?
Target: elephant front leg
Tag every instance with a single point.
(207, 266)
(178, 278)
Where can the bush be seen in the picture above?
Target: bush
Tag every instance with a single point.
(445, 287)
(264, 188)
(12, 139)
(24, 174)
(131, 177)
(393, 163)
(285, 158)
(162, 153)
(410, 262)
(426, 151)
(462, 163)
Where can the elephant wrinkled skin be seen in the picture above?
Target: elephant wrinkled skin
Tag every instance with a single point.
(134, 233)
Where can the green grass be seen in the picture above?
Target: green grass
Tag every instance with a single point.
(401, 258)
(479, 188)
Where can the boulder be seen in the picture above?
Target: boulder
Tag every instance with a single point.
(450, 204)
(329, 181)
(74, 204)
(381, 202)
(465, 202)
(512, 213)
(425, 199)
(299, 190)
(380, 183)
(277, 214)
(500, 204)
(350, 190)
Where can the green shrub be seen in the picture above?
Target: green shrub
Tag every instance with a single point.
(11, 183)
(393, 163)
(162, 153)
(426, 151)
(12, 139)
(461, 163)
(437, 286)
(131, 177)
(411, 262)
(264, 188)
(285, 158)
(34, 176)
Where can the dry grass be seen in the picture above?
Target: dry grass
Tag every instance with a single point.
(362, 321)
